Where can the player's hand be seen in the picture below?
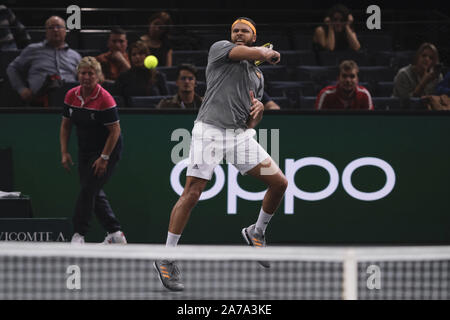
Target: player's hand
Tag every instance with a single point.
(100, 166)
(66, 161)
(257, 107)
(273, 57)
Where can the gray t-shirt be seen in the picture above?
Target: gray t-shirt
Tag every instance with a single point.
(407, 80)
(227, 99)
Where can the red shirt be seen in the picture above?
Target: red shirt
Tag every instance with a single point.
(331, 98)
(91, 117)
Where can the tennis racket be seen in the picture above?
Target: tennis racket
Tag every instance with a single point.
(266, 45)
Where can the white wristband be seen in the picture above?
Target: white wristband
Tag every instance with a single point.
(104, 157)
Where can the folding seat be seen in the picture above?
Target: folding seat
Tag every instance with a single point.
(94, 40)
(56, 96)
(274, 72)
(145, 101)
(89, 52)
(283, 102)
(297, 58)
(302, 41)
(6, 57)
(384, 88)
(375, 42)
(195, 57)
(291, 89)
(334, 58)
(120, 101)
(385, 103)
(280, 41)
(307, 102)
(169, 72)
(318, 74)
(376, 73)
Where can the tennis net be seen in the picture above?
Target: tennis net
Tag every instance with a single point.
(62, 271)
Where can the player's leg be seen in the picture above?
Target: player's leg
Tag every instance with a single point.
(168, 271)
(269, 173)
(254, 161)
(182, 209)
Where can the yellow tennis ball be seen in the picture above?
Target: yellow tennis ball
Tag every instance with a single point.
(151, 62)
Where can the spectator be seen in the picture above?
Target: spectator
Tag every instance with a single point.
(346, 94)
(186, 98)
(441, 100)
(13, 34)
(116, 60)
(157, 38)
(140, 81)
(443, 87)
(421, 77)
(337, 32)
(269, 104)
(41, 64)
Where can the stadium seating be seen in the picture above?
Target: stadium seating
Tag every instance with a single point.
(302, 41)
(375, 74)
(6, 57)
(120, 101)
(145, 101)
(318, 74)
(307, 102)
(200, 89)
(195, 57)
(384, 88)
(386, 103)
(297, 57)
(171, 73)
(56, 97)
(94, 40)
(333, 58)
(375, 42)
(283, 102)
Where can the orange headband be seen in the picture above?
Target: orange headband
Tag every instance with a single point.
(245, 22)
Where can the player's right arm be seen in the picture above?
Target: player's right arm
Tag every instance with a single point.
(239, 53)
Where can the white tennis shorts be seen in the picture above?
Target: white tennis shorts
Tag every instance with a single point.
(211, 145)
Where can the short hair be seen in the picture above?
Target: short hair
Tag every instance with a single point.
(187, 66)
(118, 30)
(140, 46)
(422, 48)
(348, 65)
(91, 62)
(163, 15)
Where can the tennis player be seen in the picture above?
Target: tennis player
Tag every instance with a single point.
(223, 129)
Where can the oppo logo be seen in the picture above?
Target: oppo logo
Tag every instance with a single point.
(234, 191)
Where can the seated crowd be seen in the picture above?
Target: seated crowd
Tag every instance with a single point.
(42, 69)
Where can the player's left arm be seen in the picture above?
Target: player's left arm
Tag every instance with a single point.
(256, 111)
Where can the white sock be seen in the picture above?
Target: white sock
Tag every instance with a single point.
(263, 220)
(172, 239)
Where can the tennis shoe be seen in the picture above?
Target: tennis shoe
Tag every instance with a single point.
(77, 239)
(115, 238)
(169, 274)
(255, 238)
